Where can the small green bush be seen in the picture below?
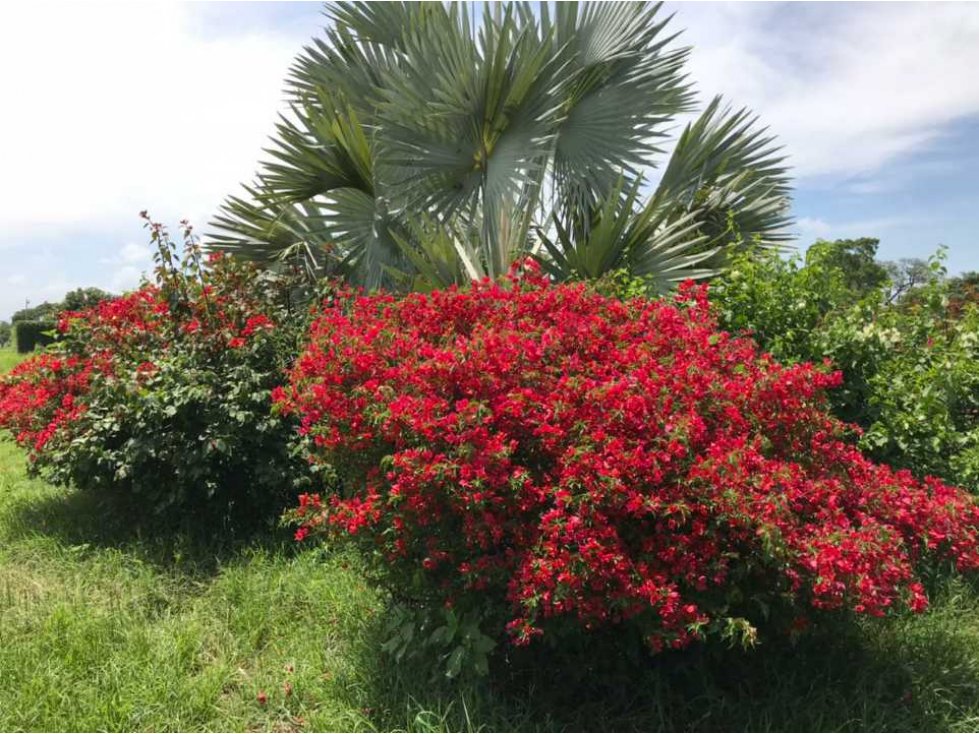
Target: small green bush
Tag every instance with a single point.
(29, 335)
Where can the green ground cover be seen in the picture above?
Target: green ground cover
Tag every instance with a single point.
(8, 358)
(106, 628)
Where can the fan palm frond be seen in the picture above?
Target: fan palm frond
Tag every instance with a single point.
(732, 174)
(645, 241)
(429, 145)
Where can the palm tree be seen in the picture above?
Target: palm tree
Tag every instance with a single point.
(429, 144)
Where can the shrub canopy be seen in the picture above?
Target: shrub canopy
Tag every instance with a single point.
(547, 458)
(161, 397)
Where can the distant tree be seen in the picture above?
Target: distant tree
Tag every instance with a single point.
(4, 333)
(907, 275)
(43, 312)
(962, 290)
(84, 298)
(855, 260)
(74, 300)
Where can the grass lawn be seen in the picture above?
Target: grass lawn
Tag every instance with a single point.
(106, 628)
(8, 358)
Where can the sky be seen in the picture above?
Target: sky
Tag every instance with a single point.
(111, 108)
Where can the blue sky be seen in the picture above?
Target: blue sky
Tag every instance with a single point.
(125, 106)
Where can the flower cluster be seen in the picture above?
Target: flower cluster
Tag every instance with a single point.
(113, 338)
(44, 397)
(46, 393)
(568, 458)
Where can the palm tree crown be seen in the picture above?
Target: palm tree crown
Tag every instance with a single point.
(428, 144)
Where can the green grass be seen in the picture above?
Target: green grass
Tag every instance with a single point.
(8, 358)
(106, 628)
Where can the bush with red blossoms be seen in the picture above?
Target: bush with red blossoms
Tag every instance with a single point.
(162, 396)
(40, 396)
(543, 459)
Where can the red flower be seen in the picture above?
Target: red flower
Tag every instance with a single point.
(255, 323)
(570, 455)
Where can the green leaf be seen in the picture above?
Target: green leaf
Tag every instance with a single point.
(425, 147)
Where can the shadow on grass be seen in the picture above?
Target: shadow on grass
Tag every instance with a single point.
(195, 546)
(895, 675)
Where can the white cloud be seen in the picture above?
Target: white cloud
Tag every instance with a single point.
(129, 254)
(39, 275)
(132, 253)
(110, 108)
(126, 267)
(846, 87)
(124, 278)
(810, 229)
(30, 293)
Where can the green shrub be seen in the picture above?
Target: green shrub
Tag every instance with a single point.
(910, 365)
(161, 398)
(42, 312)
(29, 335)
(923, 397)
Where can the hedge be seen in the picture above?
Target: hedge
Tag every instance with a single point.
(29, 335)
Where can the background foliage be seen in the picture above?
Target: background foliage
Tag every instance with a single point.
(29, 335)
(905, 336)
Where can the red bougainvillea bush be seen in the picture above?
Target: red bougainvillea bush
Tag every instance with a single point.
(163, 395)
(551, 458)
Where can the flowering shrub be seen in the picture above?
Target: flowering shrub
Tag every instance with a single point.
(40, 396)
(546, 459)
(162, 396)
